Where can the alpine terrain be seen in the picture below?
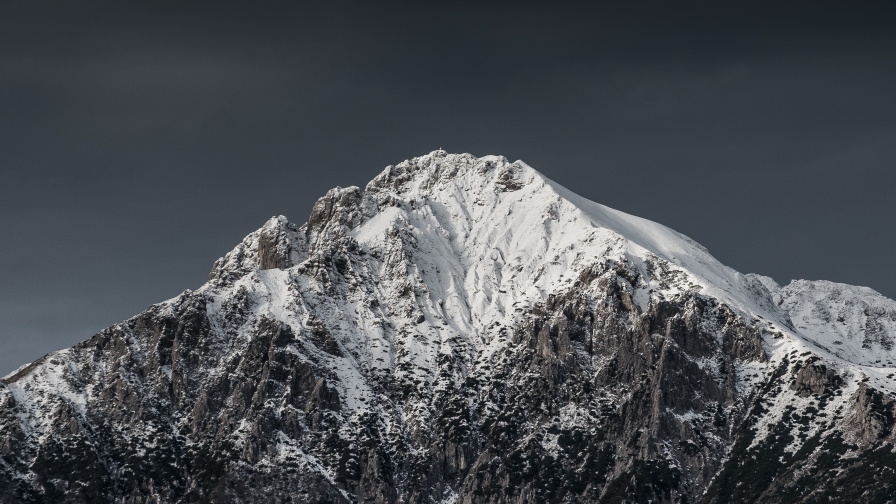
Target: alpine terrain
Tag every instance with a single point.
(465, 330)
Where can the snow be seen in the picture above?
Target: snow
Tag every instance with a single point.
(857, 324)
(44, 389)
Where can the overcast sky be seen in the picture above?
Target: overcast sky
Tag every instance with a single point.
(139, 144)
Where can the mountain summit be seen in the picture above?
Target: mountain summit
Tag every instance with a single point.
(465, 330)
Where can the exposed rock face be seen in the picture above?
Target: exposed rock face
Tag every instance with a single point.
(275, 246)
(462, 330)
(813, 378)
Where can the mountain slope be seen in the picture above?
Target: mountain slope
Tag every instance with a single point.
(855, 323)
(464, 330)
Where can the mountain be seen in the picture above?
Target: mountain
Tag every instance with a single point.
(465, 330)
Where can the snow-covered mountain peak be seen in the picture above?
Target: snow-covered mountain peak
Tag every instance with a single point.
(490, 205)
(484, 235)
(465, 329)
(460, 248)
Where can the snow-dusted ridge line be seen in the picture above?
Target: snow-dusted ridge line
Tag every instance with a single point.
(648, 237)
(857, 324)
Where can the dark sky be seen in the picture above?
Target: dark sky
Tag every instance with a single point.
(140, 143)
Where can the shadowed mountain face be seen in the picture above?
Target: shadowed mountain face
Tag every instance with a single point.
(464, 330)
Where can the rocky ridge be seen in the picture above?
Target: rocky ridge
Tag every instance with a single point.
(464, 330)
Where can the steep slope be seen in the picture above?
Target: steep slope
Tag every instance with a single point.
(461, 330)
